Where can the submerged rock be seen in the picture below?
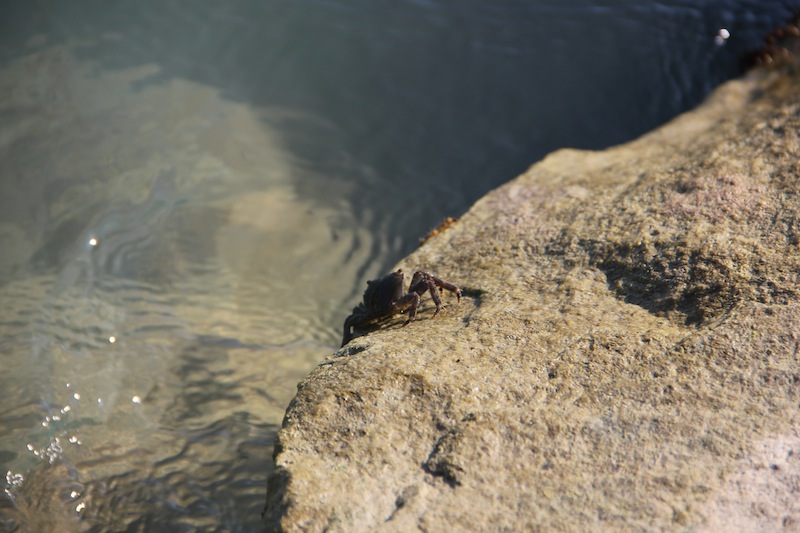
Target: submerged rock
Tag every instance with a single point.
(625, 355)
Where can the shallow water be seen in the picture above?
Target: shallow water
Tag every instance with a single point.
(192, 196)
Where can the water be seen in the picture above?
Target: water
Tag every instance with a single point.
(193, 194)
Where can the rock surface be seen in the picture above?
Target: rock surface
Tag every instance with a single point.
(625, 356)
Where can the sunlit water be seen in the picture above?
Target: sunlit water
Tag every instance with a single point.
(193, 194)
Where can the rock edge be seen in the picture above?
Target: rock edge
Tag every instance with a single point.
(625, 357)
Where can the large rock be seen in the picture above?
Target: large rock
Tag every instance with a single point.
(625, 356)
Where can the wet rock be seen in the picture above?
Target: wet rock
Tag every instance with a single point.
(625, 355)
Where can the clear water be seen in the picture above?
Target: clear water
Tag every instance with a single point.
(193, 194)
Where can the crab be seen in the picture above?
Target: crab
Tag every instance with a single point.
(385, 297)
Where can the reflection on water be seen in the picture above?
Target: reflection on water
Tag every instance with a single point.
(162, 295)
(192, 196)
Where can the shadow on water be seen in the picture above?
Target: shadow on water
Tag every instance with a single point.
(409, 112)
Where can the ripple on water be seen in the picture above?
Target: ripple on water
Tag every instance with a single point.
(163, 426)
(153, 327)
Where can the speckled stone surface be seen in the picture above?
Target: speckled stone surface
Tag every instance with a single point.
(625, 356)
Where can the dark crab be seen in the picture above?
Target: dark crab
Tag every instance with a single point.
(386, 297)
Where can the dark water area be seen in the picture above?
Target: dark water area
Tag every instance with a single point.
(193, 194)
(394, 102)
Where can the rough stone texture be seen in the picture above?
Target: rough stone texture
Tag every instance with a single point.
(625, 357)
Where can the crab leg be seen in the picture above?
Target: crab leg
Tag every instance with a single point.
(410, 301)
(423, 282)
